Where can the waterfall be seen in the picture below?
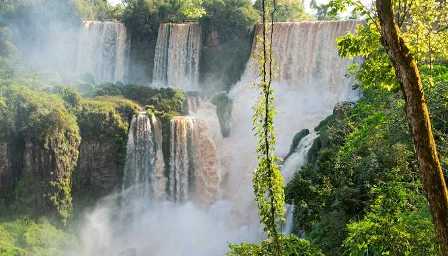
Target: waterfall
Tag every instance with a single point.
(310, 79)
(289, 223)
(176, 61)
(103, 51)
(193, 172)
(298, 158)
(201, 165)
(193, 102)
(144, 172)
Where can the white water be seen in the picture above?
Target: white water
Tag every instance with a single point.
(288, 225)
(311, 81)
(297, 159)
(103, 51)
(176, 61)
(144, 169)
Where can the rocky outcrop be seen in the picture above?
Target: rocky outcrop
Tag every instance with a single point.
(207, 176)
(342, 108)
(296, 140)
(45, 183)
(224, 106)
(99, 169)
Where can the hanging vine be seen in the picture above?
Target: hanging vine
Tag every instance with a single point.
(267, 180)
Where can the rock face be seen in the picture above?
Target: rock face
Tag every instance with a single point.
(99, 169)
(45, 185)
(207, 176)
(224, 106)
(341, 109)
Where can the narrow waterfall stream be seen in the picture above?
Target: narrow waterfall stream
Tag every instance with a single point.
(299, 157)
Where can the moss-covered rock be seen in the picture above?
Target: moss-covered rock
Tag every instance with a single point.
(164, 100)
(296, 140)
(46, 139)
(104, 124)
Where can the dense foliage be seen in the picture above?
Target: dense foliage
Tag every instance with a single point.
(286, 10)
(39, 126)
(28, 237)
(360, 192)
(161, 101)
(291, 246)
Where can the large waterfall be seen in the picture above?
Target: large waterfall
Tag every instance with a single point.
(176, 61)
(311, 79)
(204, 181)
(103, 51)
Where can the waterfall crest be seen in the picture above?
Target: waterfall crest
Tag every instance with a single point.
(176, 61)
(103, 51)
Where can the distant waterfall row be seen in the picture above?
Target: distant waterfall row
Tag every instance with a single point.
(188, 173)
(176, 61)
(103, 51)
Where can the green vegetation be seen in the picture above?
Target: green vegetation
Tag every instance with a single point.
(28, 237)
(360, 193)
(44, 126)
(287, 10)
(291, 246)
(40, 127)
(162, 101)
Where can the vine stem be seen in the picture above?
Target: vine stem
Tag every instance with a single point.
(267, 84)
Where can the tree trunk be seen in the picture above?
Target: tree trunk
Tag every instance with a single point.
(418, 116)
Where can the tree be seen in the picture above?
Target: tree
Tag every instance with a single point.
(408, 74)
(286, 10)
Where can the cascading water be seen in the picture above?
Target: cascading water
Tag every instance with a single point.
(288, 225)
(311, 79)
(180, 169)
(298, 158)
(144, 172)
(193, 169)
(103, 51)
(176, 61)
